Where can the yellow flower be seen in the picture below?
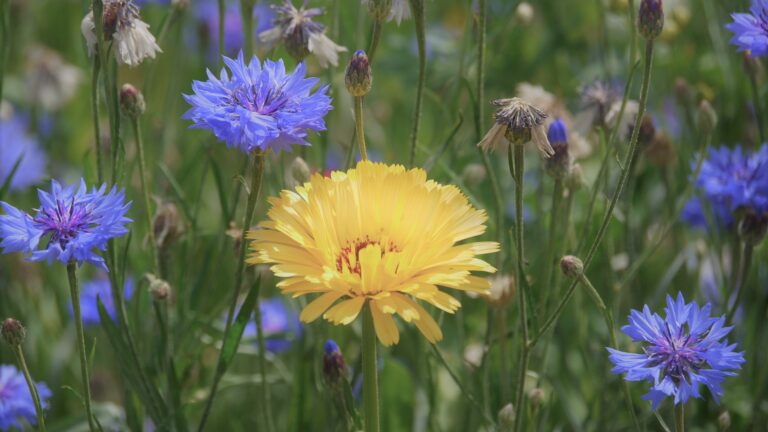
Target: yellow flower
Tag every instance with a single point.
(376, 234)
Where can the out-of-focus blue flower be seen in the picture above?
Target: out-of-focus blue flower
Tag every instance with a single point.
(16, 144)
(259, 107)
(279, 322)
(730, 180)
(681, 352)
(750, 30)
(207, 13)
(75, 223)
(17, 409)
(100, 288)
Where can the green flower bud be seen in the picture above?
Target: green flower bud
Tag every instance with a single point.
(131, 101)
(650, 20)
(572, 266)
(359, 78)
(707, 117)
(13, 332)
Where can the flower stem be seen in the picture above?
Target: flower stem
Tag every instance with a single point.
(758, 104)
(95, 115)
(554, 223)
(520, 271)
(375, 36)
(75, 293)
(266, 397)
(257, 172)
(370, 378)
(144, 181)
(741, 278)
(32, 387)
(246, 10)
(359, 129)
(628, 160)
(680, 418)
(5, 6)
(417, 7)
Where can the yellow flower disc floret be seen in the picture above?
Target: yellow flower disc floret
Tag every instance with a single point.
(379, 234)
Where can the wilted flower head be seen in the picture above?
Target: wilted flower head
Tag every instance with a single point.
(100, 288)
(393, 10)
(732, 181)
(50, 81)
(17, 146)
(17, 409)
(123, 25)
(301, 35)
(167, 224)
(750, 31)
(681, 352)
(259, 107)
(74, 222)
(597, 99)
(519, 122)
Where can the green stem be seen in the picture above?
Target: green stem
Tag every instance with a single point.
(5, 13)
(145, 180)
(524, 350)
(375, 36)
(75, 293)
(32, 388)
(679, 418)
(741, 278)
(359, 128)
(504, 383)
(370, 374)
(554, 223)
(257, 172)
(266, 397)
(222, 10)
(246, 10)
(629, 159)
(95, 115)
(758, 104)
(417, 7)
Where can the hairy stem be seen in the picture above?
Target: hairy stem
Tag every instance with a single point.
(520, 271)
(145, 180)
(359, 128)
(75, 294)
(417, 7)
(32, 388)
(370, 374)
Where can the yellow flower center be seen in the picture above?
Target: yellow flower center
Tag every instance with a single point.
(349, 257)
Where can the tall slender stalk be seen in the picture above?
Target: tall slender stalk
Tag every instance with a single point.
(359, 128)
(266, 401)
(75, 294)
(257, 172)
(680, 417)
(5, 36)
(246, 10)
(375, 36)
(145, 180)
(552, 239)
(17, 350)
(757, 101)
(370, 374)
(520, 271)
(417, 7)
(741, 278)
(95, 116)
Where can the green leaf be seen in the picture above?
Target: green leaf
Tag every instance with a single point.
(232, 338)
(9, 179)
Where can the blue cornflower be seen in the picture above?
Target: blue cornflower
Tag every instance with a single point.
(16, 144)
(75, 223)
(100, 288)
(681, 352)
(731, 180)
(279, 322)
(259, 107)
(750, 30)
(17, 409)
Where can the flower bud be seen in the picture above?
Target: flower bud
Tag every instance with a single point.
(661, 152)
(379, 9)
(724, 421)
(160, 289)
(167, 225)
(536, 396)
(753, 227)
(334, 367)
(13, 332)
(131, 101)
(650, 20)
(707, 117)
(559, 164)
(575, 179)
(647, 131)
(502, 290)
(359, 78)
(572, 266)
(473, 174)
(683, 92)
(507, 417)
(524, 13)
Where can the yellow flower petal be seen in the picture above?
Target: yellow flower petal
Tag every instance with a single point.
(385, 326)
(346, 311)
(319, 305)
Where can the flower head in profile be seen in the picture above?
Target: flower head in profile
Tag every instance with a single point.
(519, 122)
(301, 35)
(20, 154)
(390, 10)
(279, 323)
(133, 42)
(681, 352)
(259, 106)
(732, 182)
(750, 30)
(597, 100)
(100, 288)
(377, 235)
(17, 409)
(74, 223)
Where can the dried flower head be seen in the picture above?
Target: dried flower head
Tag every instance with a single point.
(133, 42)
(597, 99)
(519, 122)
(50, 81)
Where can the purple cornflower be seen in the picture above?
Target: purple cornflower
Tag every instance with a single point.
(731, 180)
(750, 30)
(681, 352)
(279, 322)
(259, 107)
(334, 366)
(100, 288)
(16, 145)
(17, 409)
(75, 223)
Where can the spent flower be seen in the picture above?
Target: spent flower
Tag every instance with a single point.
(518, 122)
(259, 106)
(681, 352)
(74, 222)
(133, 42)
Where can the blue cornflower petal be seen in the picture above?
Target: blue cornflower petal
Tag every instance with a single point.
(100, 288)
(76, 224)
(681, 352)
(750, 31)
(17, 409)
(260, 106)
(16, 145)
